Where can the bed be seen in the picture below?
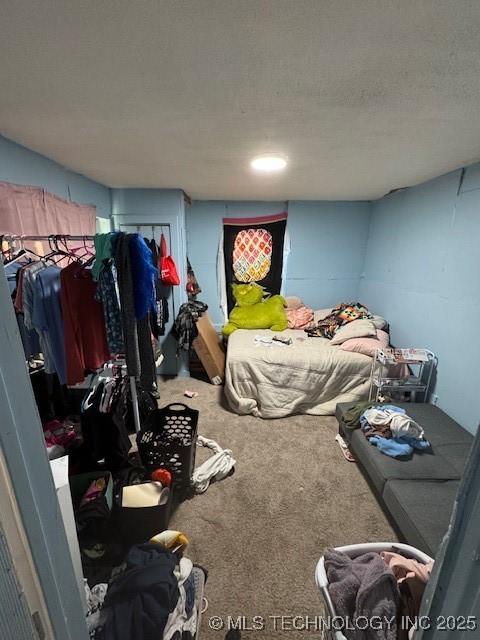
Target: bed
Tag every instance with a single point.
(309, 376)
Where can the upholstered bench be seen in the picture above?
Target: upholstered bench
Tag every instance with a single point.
(418, 493)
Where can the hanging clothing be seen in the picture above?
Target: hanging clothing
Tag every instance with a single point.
(185, 328)
(86, 345)
(127, 303)
(143, 274)
(148, 371)
(193, 288)
(30, 341)
(160, 317)
(137, 335)
(47, 317)
(29, 280)
(104, 433)
(107, 295)
(103, 243)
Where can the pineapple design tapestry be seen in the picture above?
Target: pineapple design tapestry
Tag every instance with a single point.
(253, 252)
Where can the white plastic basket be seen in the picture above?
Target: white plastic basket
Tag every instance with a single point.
(354, 550)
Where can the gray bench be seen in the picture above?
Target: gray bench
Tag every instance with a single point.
(418, 493)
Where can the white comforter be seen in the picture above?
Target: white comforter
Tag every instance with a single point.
(309, 376)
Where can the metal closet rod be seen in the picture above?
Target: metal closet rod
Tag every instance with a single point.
(133, 385)
(61, 236)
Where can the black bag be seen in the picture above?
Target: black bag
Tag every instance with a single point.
(169, 441)
(138, 524)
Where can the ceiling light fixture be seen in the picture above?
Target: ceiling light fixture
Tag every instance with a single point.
(268, 163)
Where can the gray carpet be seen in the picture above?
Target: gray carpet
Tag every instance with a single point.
(261, 531)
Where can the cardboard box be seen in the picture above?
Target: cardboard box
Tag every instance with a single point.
(209, 350)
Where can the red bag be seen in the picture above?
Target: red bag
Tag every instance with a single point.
(168, 270)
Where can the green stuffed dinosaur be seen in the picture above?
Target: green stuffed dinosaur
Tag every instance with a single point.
(252, 312)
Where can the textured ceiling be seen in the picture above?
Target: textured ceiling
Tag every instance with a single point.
(363, 96)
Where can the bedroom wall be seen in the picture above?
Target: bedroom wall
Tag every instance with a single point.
(22, 166)
(422, 272)
(328, 242)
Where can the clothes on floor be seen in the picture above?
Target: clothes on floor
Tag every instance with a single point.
(363, 587)
(85, 337)
(95, 598)
(184, 617)
(185, 327)
(141, 598)
(216, 468)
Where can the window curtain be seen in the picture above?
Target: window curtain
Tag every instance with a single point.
(26, 210)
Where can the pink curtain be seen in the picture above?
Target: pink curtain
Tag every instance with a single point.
(34, 211)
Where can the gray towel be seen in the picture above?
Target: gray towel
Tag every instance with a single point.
(361, 589)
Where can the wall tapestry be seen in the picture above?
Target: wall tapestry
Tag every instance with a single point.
(253, 251)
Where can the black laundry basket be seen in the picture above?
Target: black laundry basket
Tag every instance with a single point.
(168, 441)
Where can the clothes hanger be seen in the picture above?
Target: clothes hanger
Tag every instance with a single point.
(22, 252)
(53, 252)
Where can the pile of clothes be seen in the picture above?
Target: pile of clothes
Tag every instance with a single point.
(151, 595)
(298, 315)
(392, 431)
(385, 587)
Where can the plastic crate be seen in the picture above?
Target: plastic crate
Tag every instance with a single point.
(169, 441)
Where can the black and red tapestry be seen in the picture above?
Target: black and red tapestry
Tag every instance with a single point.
(253, 252)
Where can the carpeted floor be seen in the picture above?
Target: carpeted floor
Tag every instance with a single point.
(261, 531)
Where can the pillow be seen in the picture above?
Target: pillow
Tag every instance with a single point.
(321, 314)
(366, 346)
(355, 329)
(379, 322)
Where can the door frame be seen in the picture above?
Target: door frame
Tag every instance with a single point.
(24, 451)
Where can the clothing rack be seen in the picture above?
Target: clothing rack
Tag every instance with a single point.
(77, 238)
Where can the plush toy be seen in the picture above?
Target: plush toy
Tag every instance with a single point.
(252, 312)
